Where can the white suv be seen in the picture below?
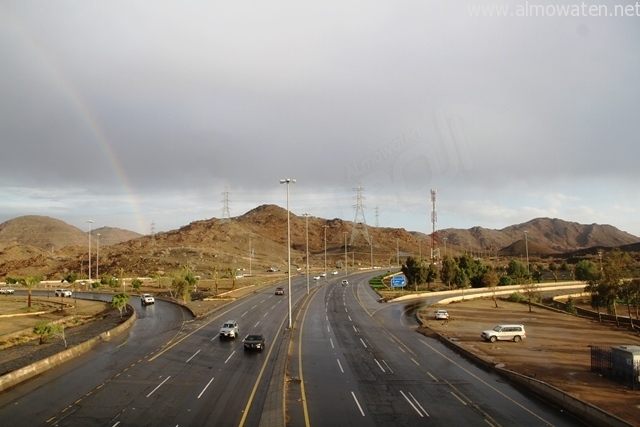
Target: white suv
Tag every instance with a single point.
(63, 293)
(504, 333)
(229, 329)
(147, 299)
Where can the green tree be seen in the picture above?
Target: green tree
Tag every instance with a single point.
(617, 265)
(44, 330)
(136, 284)
(448, 270)
(531, 290)
(414, 271)
(461, 280)
(70, 278)
(629, 293)
(431, 273)
(553, 268)
(586, 271)
(30, 282)
(517, 270)
(490, 281)
(119, 301)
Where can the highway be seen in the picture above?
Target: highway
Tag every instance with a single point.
(352, 361)
(362, 363)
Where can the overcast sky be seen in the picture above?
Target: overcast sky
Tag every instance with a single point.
(133, 113)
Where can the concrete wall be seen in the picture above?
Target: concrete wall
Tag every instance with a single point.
(19, 375)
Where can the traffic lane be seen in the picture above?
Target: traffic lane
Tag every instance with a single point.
(481, 391)
(55, 390)
(184, 382)
(332, 395)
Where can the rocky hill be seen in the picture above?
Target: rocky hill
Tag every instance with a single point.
(216, 245)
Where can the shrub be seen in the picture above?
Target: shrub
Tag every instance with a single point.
(516, 297)
(570, 307)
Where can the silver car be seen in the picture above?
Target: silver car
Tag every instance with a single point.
(504, 333)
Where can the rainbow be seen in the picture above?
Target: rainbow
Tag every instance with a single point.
(48, 64)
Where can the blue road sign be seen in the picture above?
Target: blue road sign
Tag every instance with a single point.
(398, 281)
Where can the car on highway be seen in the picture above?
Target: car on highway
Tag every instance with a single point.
(254, 342)
(442, 315)
(147, 299)
(504, 333)
(323, 274)
(62, 293)
(279, 290)
(345, 282)
(334, 272)
(316, 277)
(229, 329)
(6, 291)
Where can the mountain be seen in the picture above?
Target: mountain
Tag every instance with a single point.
(36, 245)
(51, 234)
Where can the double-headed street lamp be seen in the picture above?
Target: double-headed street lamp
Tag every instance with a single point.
(526, 245)
(288, 181)
(90, 222)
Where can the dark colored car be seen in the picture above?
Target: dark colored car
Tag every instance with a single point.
(279, 291)
(254, 342)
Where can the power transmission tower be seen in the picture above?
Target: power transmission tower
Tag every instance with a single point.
(377, 215)
(225, 205)
(359, 223)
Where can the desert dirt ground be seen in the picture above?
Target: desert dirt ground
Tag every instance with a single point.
(556, 349)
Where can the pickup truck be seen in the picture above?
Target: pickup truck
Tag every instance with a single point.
(6, 291)
(254, 342)
(229, 329)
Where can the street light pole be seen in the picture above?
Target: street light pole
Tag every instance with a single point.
(98, 260)
(371, 244)
(288, 181)
(445, 246)
(250, 255)
(345, 252)
(306, 216)
(90, 222)
(526, 245)
(325, 249)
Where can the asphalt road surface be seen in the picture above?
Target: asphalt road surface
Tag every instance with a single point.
(361, 363)
(357, 362)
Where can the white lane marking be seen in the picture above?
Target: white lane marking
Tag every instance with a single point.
(346, 310)
(412, 405)
(379, 365)
(331, 341)
(388, 367)
(232, 353)
(328, 330)
(159, 385)
(214, 337)
(402, 350)
(340, 366)
(355, 329)
(357, 403)
(194, 355)
(274, 306)
(350, 319)
(265, 315)
(262, 300)
(244, 313)
(415, 361)
(326, 318)
(205, 387)
(254, 306)
(458, 397)
(434, 378)
(370, 345)
(362, 341)
(256, 324)
(419, 405)
(116, 424)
